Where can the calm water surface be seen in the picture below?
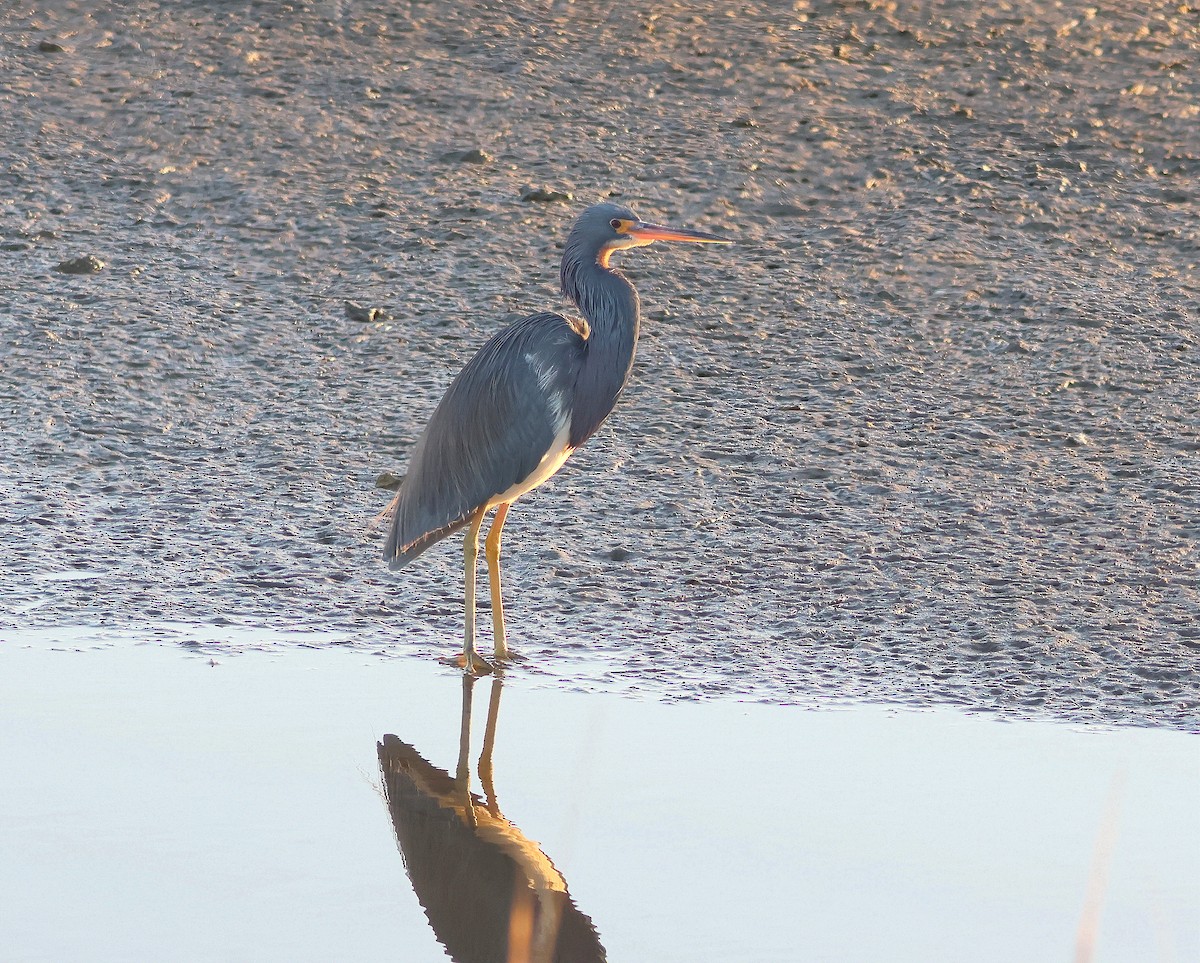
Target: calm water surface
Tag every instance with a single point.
(170, 805)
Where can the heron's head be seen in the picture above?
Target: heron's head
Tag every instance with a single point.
(604, 228)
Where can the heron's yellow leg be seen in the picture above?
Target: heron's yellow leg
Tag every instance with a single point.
(472, 662)
(463, 778)
(492, 549)
(489, 745)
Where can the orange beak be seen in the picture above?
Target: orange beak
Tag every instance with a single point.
(654, 232)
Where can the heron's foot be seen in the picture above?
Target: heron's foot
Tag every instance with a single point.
(477, 666)
(509, 656)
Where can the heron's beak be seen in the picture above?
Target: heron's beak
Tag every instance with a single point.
(654, 232)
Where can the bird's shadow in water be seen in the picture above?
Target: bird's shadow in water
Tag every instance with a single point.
(488, 890)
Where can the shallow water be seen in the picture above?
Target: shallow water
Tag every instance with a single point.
(165, 804)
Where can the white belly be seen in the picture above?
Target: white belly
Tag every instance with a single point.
(551, 462)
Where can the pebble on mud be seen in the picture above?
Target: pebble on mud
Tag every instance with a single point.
(542, 195)
(389, 480)
(356, 312)
(81, 265)
(472, 156)
(50, 47)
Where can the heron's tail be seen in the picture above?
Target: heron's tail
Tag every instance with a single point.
(406, 540)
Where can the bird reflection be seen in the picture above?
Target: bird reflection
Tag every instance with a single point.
(489, 891)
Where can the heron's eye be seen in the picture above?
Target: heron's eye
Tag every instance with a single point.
(615, 224)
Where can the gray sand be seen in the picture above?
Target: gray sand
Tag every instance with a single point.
(928, 433)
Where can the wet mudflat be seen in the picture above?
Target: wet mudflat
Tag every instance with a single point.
(927, 433)
(166, 805)
(926, 436)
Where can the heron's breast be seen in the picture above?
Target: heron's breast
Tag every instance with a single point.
(559, 451)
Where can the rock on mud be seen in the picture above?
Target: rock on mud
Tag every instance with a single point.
(356, 312)
(541, 195)
(88, 264)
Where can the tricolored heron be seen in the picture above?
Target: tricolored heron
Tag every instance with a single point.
(532, 394)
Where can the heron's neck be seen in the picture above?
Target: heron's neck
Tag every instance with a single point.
(610, 306)
(603, 295)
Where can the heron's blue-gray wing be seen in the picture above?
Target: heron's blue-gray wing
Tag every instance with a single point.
(492, 428)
